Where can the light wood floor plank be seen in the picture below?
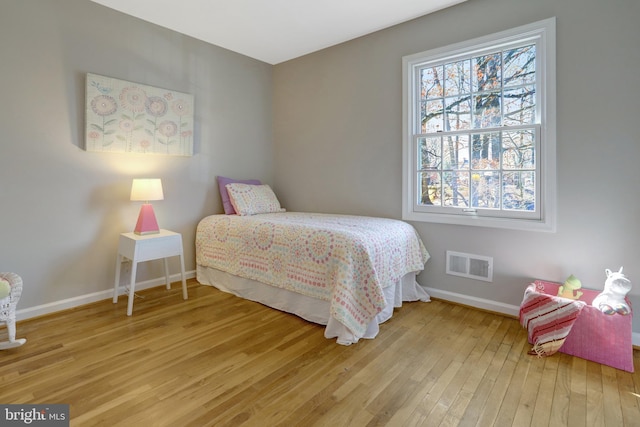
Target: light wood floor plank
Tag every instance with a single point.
(578, 387)
(481, 394)
(629, 398)
(529, 394)
(488, 415)
(595, 416)
(217, 360)
(516, 386)
(544, 399)
(611, 397)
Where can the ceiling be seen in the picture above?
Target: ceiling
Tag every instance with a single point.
(275, 31)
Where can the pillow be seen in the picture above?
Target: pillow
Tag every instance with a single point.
(5, 288)
(253, 199)
(222, 185)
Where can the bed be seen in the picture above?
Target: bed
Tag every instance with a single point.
(345, 272)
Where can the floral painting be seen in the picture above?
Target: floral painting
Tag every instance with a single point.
(125, 117)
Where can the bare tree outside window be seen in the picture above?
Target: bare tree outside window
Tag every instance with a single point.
(479, 131)
(462, 166)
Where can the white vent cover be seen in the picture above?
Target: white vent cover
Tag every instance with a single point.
(470, 266)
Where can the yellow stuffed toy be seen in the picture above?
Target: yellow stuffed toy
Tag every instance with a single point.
(570, 289)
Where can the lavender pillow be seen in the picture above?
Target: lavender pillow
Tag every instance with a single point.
(224, 195)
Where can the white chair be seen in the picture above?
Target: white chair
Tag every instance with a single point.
(8, 310)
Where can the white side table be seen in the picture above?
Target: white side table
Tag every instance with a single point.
(139, 248)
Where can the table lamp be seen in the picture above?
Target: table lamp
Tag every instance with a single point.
(146, 190)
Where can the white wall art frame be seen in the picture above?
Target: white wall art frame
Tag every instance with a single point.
(125, 117)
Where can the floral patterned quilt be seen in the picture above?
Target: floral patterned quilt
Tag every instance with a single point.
(346, 260)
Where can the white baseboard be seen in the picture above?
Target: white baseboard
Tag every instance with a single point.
(52, 307)
(485, 304)
(490, 305)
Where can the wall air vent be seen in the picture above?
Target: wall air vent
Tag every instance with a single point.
(470, 266)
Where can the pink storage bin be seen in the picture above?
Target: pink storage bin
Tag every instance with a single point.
(596, 336)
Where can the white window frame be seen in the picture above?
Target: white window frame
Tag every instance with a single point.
(541, 33)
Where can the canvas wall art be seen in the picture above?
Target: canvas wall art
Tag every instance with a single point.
(126, 117)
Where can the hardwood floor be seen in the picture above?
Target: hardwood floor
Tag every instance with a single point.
(217, 360)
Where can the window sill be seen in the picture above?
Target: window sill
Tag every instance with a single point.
(548, 225)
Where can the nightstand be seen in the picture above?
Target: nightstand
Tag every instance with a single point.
(139, 248)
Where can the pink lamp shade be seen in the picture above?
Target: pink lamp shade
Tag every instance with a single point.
(146, 190)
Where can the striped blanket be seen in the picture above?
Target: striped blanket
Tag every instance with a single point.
(548, 318)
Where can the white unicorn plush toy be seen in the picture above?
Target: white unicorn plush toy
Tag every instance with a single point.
(612, 299)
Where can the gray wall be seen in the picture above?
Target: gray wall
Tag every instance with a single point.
(336, 142)
(62, 208)
(338, 147)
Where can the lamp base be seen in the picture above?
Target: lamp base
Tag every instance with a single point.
(147, 223)
(144, 233)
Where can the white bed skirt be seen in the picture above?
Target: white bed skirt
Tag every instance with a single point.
(312, 309)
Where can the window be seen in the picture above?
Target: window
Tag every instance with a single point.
(479, 131)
